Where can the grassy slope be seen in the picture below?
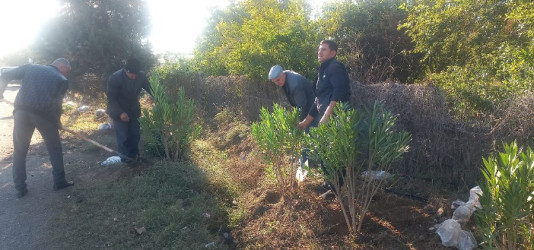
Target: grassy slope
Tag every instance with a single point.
(224, 178)
(177, 204)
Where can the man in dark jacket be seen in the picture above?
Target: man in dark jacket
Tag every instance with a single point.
(38, 105)
(298, 90)
(332, 87)
(124, 87)
(299, 93)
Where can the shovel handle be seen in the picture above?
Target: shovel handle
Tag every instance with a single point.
(85, 138)
(95, 143)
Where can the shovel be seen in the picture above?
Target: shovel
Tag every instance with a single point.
(83, 137)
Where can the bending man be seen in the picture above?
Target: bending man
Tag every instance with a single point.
(38, 105)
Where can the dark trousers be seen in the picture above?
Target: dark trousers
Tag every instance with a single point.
(128, 136)
(24, 126)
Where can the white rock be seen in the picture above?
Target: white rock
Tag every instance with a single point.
(100, 112)
(83, 108)
(104, 126)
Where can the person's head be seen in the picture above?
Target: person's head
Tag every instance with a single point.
(277, 75)
(327, 50)
(132, 67)
(63, 65)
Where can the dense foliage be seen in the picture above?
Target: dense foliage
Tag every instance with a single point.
(506, 220)
(96, 36)
(372, 46)
(252, 35)
(479, 52)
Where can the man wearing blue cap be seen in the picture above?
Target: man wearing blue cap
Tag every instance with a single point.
(299, 93)
(124, 87)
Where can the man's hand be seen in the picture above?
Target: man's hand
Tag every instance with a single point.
(124, 117)
(305, 123)
(323, 120)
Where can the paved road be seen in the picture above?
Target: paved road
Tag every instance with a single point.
(25, 221)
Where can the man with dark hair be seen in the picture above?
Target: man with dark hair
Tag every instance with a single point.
(333, 85)
(38, 105)
(123, 90)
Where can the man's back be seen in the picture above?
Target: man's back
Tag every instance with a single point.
(299, 92)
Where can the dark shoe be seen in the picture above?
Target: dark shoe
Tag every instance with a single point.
(63, 185)
(128, 160)
(22, 193)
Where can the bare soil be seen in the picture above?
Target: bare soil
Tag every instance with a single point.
(271, 221)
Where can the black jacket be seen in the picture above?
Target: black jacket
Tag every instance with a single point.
(123, 94)
(333, 84)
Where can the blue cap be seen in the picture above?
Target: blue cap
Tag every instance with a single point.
(275, 71)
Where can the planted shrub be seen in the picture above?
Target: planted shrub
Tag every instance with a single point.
(169, 127)
(280, 140)
(506, 220)
(352, 146)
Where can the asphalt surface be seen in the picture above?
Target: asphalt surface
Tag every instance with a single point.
(25, 222)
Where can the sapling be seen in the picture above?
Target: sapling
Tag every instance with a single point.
(506, 220)
(352, 142)
(169, 127)
(280, 140)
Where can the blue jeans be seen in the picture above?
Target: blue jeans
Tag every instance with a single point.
(128, 137)
(305, 151)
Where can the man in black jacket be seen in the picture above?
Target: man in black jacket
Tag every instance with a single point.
(332, 87)
(124, 87)
(38, 105)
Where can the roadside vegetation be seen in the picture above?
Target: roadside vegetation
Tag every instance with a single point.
(454, 91)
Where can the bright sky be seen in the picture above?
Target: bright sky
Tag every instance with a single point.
(176, 24)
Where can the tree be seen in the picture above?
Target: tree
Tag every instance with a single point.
(252, 35)
(371, 45)
(479, 52)
(96, 36)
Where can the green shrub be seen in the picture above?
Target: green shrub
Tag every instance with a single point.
(278, 137)
(506, 220)
(352, 146)
(169, 128)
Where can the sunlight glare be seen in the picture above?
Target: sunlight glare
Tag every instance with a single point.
(21, 21)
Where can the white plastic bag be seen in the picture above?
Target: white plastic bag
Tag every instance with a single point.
(449, 232)
(463, 212)
(375, 175)
(301, 172)
(466, 241)
(111, 160)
